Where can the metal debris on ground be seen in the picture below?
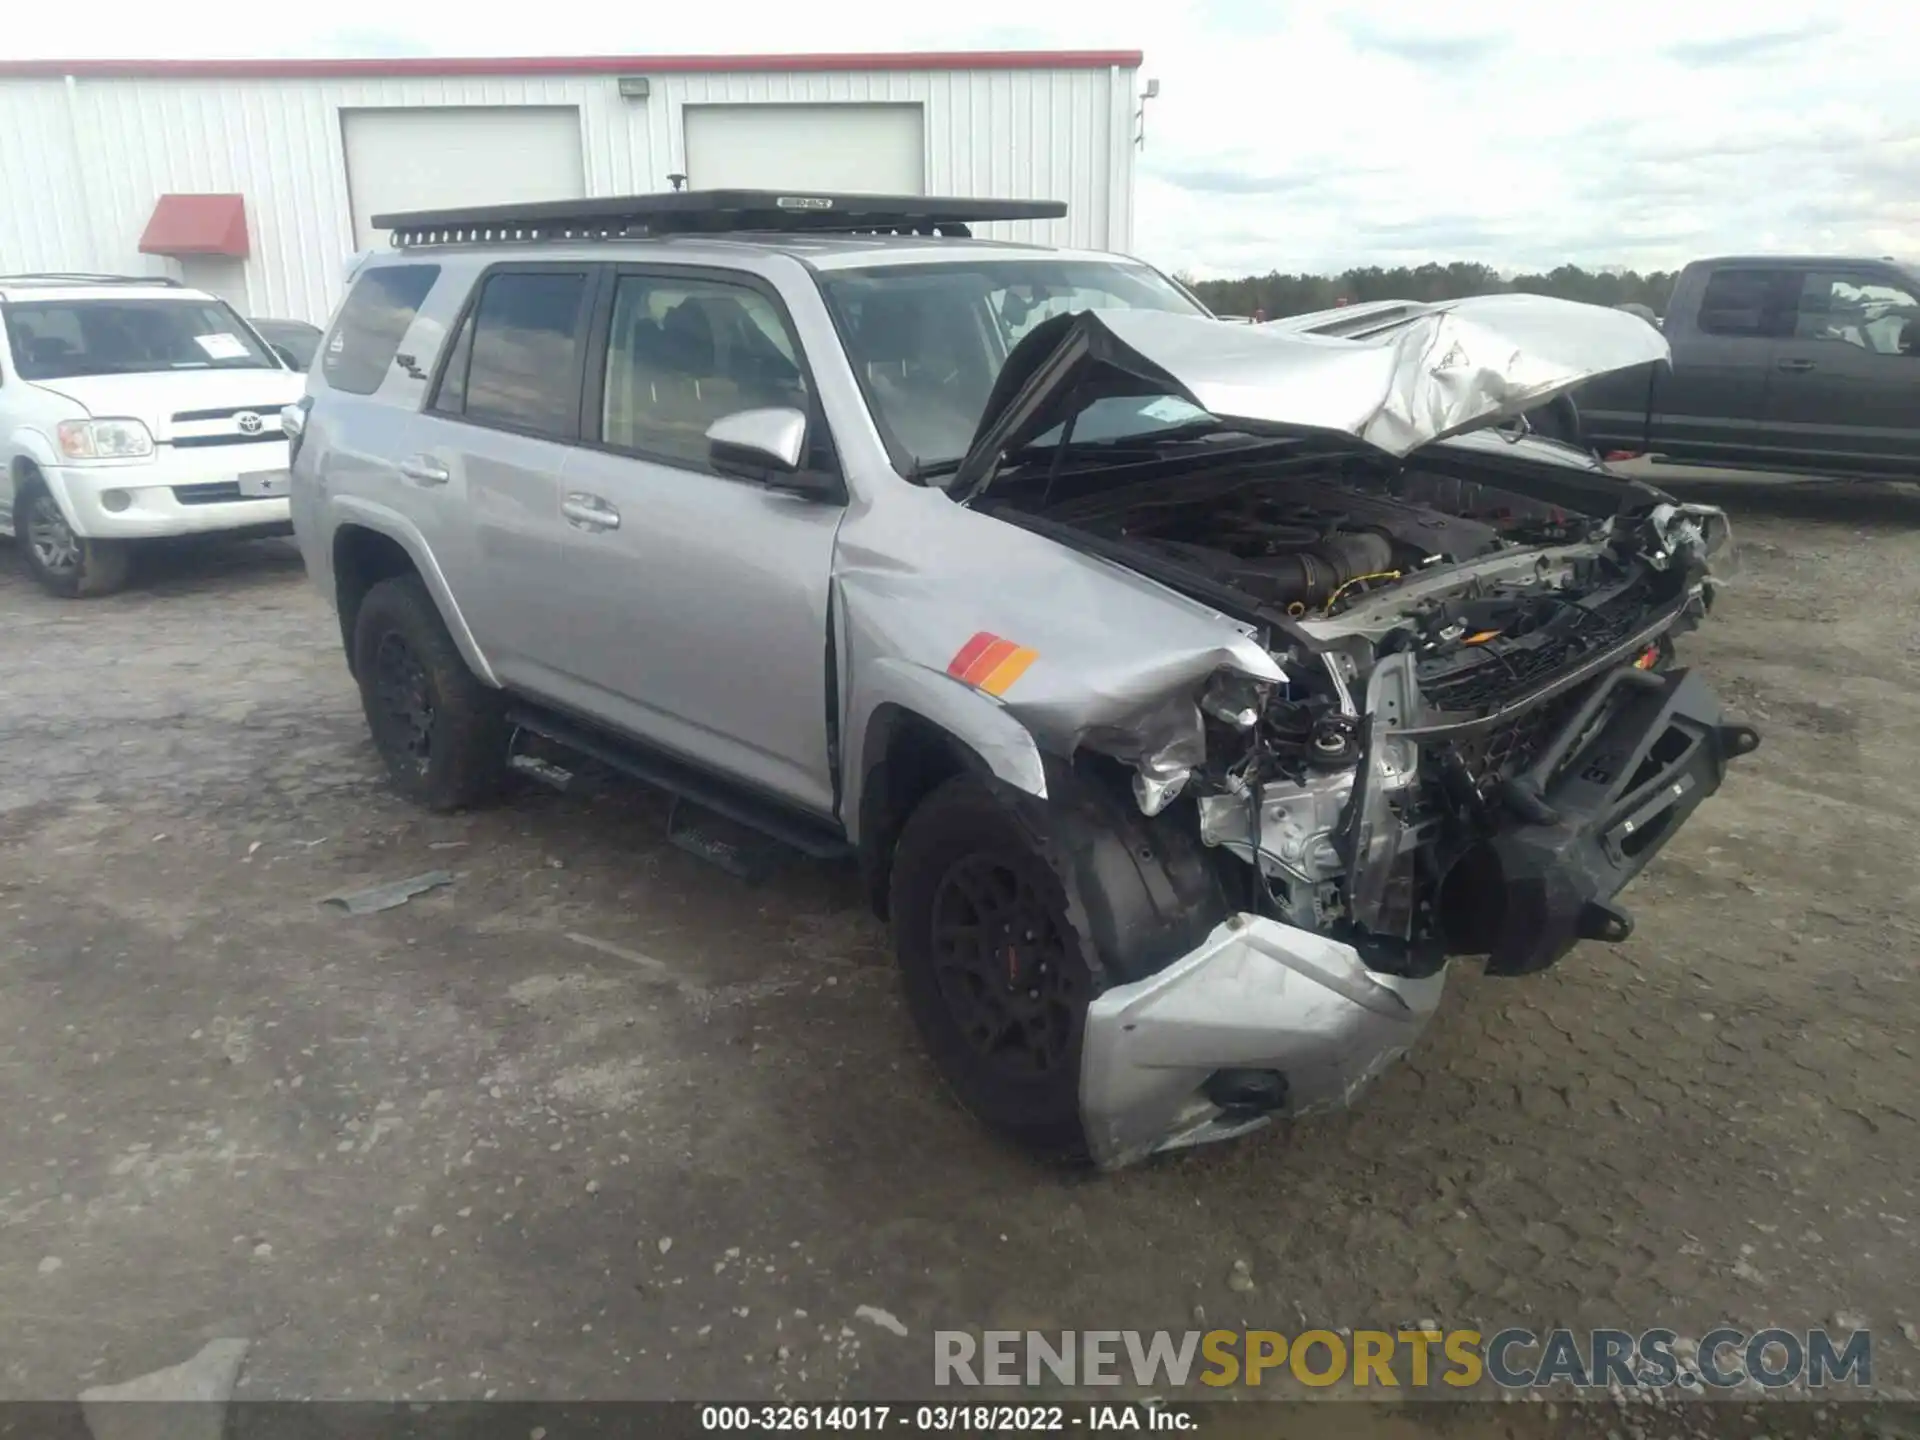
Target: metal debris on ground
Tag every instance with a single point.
(386, 897)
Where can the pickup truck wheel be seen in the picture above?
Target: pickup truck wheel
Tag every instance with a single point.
(993, 970)
(59, 561)
(441, 732)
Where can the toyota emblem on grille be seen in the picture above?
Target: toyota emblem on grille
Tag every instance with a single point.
(248, 422)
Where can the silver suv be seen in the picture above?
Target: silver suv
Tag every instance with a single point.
(1187, 692)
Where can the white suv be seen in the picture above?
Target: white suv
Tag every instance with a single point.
(132, 409)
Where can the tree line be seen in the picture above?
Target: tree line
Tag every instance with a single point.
(1279, 295)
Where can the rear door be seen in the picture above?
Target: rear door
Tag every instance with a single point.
(1845, 391)
(12, 412)
(697, 603)
(494, 441)
(1713, 407)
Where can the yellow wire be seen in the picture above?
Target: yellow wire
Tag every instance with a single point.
(1334, 599)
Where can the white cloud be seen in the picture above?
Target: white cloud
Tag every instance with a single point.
(1636, 132)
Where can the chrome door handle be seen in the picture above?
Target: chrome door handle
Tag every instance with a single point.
(589, 512)
(1797, 366)
(425, 469)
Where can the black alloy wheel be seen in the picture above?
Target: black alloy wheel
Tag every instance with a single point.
(405, 700)
(442, 733)
(1004, 970)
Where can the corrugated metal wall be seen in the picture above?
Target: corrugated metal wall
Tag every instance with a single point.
(88, 157)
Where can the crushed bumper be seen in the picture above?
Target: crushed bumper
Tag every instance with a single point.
(1266, 1019)
(1180, 1057)
(1636, 759)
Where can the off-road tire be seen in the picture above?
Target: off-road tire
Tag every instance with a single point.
(449, 752)
(97, 567)
(957, 829)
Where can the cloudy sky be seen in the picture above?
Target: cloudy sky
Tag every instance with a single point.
(1315, 136)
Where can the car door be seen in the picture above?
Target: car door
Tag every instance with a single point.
(8, 419)
(1845, 390)
(494, 439)
(1713, 405)
(698, 602)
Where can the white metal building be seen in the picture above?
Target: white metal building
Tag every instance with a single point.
(256, 179)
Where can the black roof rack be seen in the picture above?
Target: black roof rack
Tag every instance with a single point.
(80, 277)
(710, 212)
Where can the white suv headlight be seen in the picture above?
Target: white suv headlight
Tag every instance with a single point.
(104, 439)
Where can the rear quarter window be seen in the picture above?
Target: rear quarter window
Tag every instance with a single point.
(372, 323)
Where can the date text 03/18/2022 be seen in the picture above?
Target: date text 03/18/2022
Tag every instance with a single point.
(944, 1419)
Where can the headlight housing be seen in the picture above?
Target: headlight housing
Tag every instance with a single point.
(111, 439)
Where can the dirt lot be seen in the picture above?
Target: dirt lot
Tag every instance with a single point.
(597, 1120)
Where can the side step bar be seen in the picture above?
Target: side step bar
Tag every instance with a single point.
(769, 818)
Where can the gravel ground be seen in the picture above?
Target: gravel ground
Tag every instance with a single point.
(596, 1120)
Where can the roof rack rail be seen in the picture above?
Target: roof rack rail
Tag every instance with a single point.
(84, 277)
(709, 212)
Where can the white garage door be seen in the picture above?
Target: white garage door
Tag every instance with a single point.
(876, 148)
(429, 157)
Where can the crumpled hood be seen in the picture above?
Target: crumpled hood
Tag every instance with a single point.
(1433, 372)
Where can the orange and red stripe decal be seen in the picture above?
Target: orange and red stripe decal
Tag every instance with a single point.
(990, 663)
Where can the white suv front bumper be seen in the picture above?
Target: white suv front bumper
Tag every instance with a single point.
(176, 492)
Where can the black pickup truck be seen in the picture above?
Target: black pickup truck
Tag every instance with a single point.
(1797, 363)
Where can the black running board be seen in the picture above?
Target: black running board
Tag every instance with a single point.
(792, 828)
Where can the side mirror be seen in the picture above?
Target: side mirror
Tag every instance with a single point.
(766, 446)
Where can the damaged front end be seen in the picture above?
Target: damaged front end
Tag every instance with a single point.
(1474, 735)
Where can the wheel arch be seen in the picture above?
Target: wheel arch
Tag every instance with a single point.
(1140, 890)
(370, 543)
(30, 457)
(916, 730)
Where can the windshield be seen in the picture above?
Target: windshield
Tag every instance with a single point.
(56, 339)
(927, 342)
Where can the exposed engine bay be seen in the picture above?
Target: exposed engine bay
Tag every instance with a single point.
(1455, 650)
(1391, 681)
(1299, 545)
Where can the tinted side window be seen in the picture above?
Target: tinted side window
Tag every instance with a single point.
(1749, 303)
(516, 360)
(371, 325)
(684, 352)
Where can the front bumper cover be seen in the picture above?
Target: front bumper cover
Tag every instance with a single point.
(153, 509)
(1263, 999)
(1256, 996)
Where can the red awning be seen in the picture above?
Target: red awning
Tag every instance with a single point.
(197, 225)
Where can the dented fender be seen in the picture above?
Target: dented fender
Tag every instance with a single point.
(1020, 648)
(1004, 746)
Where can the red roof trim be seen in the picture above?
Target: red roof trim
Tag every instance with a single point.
(197, 225)
(571, 65)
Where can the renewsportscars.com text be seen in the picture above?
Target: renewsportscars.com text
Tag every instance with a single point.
(1514, 1359)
